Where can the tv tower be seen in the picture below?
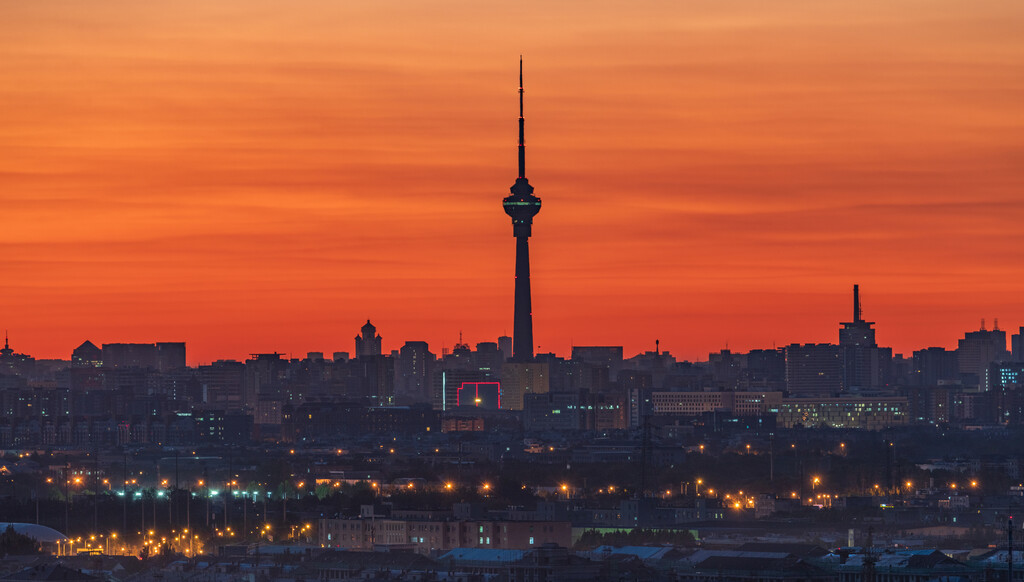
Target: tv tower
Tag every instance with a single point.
(522, 206)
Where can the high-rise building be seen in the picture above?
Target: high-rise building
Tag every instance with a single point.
(1017, 346)
(488, 359)
(519, 379)
(865, 365)
(766, 369)
(265, 376)
(934, 366)
(505, 346)
(977, 350)
(814, 369)
(368, 343)
(413, 369)
(222, 384)
(522, 206)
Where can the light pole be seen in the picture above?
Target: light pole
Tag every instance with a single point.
(67, 499)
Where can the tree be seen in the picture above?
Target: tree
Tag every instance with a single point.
(592, 538)
(14, 543)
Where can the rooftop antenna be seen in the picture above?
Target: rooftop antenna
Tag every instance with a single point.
(995, 324)
(982, 324)
(657, 347)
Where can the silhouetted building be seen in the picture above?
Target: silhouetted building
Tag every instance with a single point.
(368, 343)
(17, 364)
(865, 365)
(814, 369)
(766, 369)
(222, 384)
(726, 369)
(1017, 346)
(520, 379)
(372, 377)
(977, 351)
(265, 376)
(1007, 380)
(413, 369)
(161, 356)
(608, 357)
(505, 346)
(489, 359)
(931, 404)
(934, 366)
(87, 355)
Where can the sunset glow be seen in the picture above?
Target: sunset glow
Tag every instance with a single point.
(262, 176)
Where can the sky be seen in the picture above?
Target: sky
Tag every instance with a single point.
(256, 176)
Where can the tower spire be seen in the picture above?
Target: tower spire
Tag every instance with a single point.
(522, 124)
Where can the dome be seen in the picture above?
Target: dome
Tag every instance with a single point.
(39, 533)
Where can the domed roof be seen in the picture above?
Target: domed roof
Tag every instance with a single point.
(39, 533)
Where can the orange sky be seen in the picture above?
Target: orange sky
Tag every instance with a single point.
(257, 176)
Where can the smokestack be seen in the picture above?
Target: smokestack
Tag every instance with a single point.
(856, 303)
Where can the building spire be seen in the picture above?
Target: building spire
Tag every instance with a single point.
(522, 131)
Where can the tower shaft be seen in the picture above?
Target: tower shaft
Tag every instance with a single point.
(522, 329)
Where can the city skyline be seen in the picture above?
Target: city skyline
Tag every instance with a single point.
(714, 180)
(849, 332)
